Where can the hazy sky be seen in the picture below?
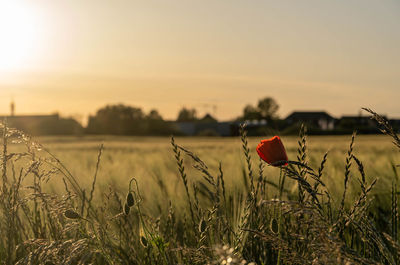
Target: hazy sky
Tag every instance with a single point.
(75, 56)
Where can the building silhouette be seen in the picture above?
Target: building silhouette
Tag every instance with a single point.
(316, 119)
(41, 124)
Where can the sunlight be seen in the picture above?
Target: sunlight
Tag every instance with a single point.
(18, 35)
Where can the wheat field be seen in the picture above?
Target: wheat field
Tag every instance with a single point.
(147, 200)
(150, 159)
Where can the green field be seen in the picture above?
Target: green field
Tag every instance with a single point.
(186, 212)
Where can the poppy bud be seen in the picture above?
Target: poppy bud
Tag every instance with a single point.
(272, 151)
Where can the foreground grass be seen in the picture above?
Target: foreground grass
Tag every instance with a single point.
(76, 204)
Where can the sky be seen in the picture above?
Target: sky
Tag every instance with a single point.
(217, 56)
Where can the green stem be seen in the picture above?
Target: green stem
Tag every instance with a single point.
(281, 183)
(145, 229)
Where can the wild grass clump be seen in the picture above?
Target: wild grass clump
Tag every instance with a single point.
(264, 221)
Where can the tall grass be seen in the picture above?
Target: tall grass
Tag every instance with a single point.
(294, 217)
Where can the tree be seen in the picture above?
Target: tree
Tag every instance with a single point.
(156, 125)
(127, 120)
(61, 126)
(268, 108)
(154, 115)
(251, 113)
(187, 115)
(117, 119)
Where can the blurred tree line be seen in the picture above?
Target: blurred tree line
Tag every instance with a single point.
(120, 119)
(126, 120)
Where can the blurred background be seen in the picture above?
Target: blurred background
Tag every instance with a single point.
(69, 67)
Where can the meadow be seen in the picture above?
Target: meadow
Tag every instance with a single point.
(148, 200)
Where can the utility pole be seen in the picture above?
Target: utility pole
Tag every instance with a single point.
(12, 108)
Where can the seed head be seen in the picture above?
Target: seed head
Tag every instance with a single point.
(143, 241)
(127, 209)
(71, 214)
(130, 201)
(274, 226)
(202, 226)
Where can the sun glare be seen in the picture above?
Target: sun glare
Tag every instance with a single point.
(18, 35)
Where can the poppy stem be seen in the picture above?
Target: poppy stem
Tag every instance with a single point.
(281, 183)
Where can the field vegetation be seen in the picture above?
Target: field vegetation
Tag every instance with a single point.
(146, 200)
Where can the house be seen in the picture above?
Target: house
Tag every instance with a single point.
(186, 128)
(395, 123)
(208, 118)
(41, 124)
(205, 128)
(29, 123)
(359, 123)
(316, 119)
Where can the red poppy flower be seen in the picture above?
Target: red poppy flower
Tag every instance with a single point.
(272, 151)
